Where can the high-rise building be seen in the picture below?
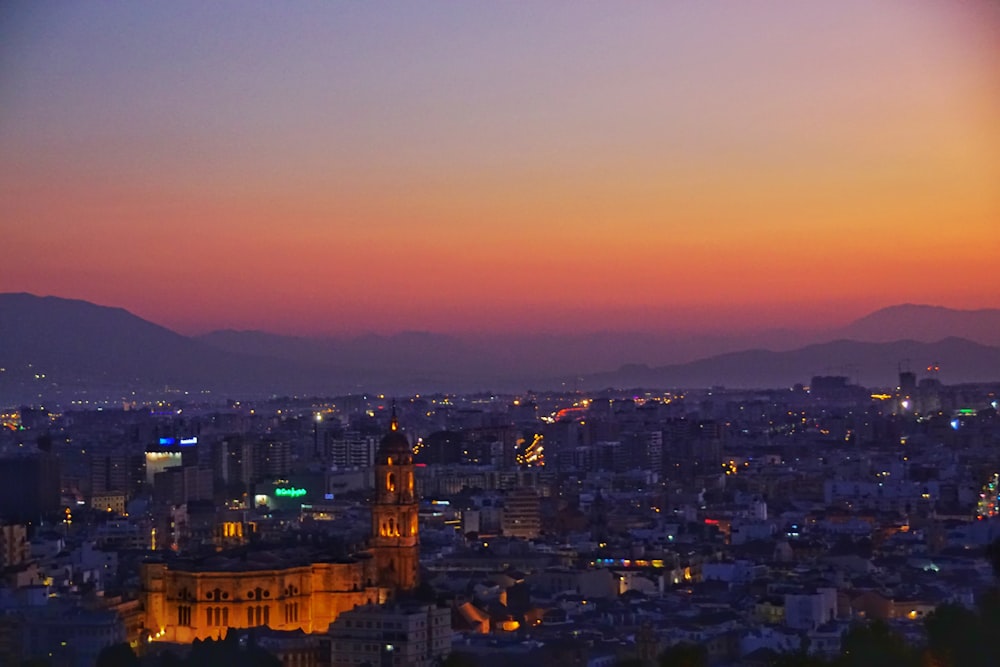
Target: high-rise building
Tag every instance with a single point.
(111, 472)
(29, 487)
(521, 514)
(272, 458)
(907, 383)
(352, 449)
(182, 484)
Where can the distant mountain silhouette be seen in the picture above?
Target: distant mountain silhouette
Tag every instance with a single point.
(52, 347)
(925, 323)
(406, 351)
(494, 360)
(533, 355)
(869, 364)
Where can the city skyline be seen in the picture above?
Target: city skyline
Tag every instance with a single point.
(330, 169)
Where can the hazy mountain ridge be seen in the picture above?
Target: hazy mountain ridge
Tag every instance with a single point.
(77, 344)
(926, 323)
(867, 363)
(538, 355)
(592, 353)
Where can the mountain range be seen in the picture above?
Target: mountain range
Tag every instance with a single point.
(53, 348)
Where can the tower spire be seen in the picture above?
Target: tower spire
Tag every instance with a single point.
(395, 542)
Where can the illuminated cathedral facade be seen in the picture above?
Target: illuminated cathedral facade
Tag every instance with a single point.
(293, 588)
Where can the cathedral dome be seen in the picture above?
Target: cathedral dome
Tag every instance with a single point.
(394, 448)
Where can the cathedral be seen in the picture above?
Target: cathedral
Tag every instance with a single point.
(293, 588)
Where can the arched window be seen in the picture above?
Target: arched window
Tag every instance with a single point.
(390, 482)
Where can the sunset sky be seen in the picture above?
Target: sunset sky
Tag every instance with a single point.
(341, 167)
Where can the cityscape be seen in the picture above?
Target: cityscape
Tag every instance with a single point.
(482, 334)
(558, 527)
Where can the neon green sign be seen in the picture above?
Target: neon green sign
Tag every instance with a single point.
(290, 493)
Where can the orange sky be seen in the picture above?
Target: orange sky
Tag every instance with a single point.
(340, 168)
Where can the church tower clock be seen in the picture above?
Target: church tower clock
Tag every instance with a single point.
(395, 544)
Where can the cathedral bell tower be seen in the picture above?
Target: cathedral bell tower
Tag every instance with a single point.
(395, 544)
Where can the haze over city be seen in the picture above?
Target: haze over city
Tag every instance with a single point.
(340, 168)
(453, 334)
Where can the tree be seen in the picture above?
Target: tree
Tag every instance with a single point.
(630, 662)
(684, 655)
(458, 659)
(215, 652)
(117, 655)
(993, 556)
(875, 643)
(424, 592)
(169, 659)
(956, 637)
(800, 659)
